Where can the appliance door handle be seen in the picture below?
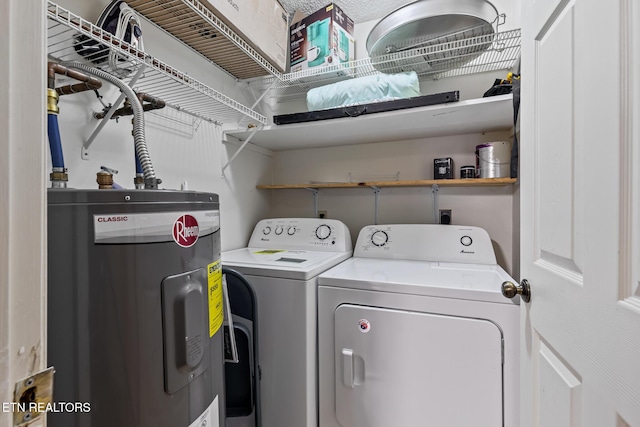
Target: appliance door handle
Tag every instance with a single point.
(347, 367)
(230, 346)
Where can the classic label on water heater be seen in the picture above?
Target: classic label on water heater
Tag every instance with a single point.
(184, 228)
(216, 312)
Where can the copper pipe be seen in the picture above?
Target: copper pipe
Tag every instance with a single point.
(153, 103)
(87, 82)
(156, 102)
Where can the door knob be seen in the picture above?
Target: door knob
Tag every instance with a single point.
(509, 290)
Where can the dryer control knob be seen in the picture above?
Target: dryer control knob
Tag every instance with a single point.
(279, 230)
(323, 231)
(266, 230)
(466, 240)
(291, 231)
(379, 238)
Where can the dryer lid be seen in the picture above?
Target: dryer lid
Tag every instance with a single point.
(439, 279)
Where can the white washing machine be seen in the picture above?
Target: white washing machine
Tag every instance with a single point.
(414, 331)
(282, 262)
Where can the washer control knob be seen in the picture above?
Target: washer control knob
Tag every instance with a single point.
(266, 230)
(379, 238)
(466, 240)
(291, 231)
(279, 230)
(323, 231)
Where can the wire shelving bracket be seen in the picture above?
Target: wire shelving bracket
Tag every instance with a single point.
(67, 32)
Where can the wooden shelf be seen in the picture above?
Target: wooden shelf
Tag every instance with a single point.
(477, 182)
(456, 118)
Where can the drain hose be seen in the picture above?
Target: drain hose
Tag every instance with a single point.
(150, 180)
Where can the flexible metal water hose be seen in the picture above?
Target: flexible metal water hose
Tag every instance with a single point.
(150, 180)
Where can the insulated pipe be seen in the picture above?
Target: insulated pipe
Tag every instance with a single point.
(58, 174)
(150, 180)
(57, 159)
(153, 103)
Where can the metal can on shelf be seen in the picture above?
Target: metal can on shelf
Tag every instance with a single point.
(493, 159)
(467, 172)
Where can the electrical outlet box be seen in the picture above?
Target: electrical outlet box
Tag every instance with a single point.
(445, 216)
(322, 214)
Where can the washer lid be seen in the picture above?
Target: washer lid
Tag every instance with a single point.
(282, 263)
(431, 22)
(474, 282)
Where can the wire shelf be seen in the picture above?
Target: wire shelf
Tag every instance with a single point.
(447, 58)
(197, 27)
(71, 38)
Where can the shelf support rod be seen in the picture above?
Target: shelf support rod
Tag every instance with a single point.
(263, 94)
(244, 144)
(85, 146)
(434, 195)
(315, 201)
(376, 198)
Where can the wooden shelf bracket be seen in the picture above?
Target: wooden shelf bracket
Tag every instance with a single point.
(376, 199)
(315, 201)
(435, 188)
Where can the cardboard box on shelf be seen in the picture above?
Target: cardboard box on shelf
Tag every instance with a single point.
(443, 168)
(322, 39)
(263, 24)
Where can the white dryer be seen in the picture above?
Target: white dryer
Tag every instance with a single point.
(282, 261)
(414, 331)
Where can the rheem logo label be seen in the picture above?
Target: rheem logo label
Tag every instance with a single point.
(185, 231)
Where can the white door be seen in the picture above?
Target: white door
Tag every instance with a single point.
(580, 191)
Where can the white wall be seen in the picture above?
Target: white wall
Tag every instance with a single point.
(488, 207)
(179, 151)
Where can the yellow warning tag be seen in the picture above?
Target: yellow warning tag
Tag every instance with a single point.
(269, 251)
(216, 312)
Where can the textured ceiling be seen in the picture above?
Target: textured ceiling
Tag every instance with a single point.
(358, 10)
